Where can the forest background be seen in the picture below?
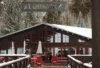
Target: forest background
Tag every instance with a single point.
(77, 13)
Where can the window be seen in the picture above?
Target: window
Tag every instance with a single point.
(9, 51)
(65, 52)
(3, 51)
(51, 39)
(27, 51)
(65, 38)
(33, 52)
(90, 51)
(72, 50)
(19, 50)
(57, 37)
(57, 51)
(82, 50)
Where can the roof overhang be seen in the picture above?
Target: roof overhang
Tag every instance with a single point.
(84, 32)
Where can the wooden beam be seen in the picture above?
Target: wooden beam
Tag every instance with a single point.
(53, 36)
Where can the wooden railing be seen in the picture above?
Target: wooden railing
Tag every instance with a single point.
(19, 61)
(79, 61)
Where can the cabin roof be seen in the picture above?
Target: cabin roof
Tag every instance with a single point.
(84, 32)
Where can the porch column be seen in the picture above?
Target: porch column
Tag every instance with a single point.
(30, 52)
(61, 37)
(68, 50)
(15, 50)
(96, 33)
(53, 51)
(61, 51)
(6, 51)
(86, 50)
(78, 50)
(46, 51)
(53, 37)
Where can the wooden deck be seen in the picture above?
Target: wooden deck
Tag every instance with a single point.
(49, 65)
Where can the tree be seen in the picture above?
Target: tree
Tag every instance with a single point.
(53, 17)
(83, 6)
(14, 19)
(12, 15)
(30, 19)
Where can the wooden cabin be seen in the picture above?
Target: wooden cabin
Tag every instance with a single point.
(57, 40)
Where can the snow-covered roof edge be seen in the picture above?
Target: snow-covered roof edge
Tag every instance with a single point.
(84, 32)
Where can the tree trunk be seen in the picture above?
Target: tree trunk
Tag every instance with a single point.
(96, 33)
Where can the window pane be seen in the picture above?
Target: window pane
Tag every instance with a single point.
(57, 37)
(9, 51)
(3, 51)
(65, 38)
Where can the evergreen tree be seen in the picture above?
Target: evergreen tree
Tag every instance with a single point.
(83, 6)
(12, 15)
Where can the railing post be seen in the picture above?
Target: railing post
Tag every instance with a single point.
(3, 67)
(15, 65)
(25, 62)
(9, 66)
(80, 66)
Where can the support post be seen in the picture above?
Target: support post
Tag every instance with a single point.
(96, 33)
(53, 51)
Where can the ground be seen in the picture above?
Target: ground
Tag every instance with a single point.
(49, 65)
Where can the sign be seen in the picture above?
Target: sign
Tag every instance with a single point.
(43, 6)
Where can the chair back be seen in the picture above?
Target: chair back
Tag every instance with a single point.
(54, 59)
(39, 60)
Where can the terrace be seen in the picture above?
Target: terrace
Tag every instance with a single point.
(23, 61)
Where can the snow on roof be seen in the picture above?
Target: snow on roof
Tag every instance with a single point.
(85, 32)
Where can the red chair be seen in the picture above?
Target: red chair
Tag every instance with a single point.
(33, 60)
(1, 59)
(39, 61)
(54, 60)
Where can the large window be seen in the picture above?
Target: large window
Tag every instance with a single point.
(57, 37)
(65, 38)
